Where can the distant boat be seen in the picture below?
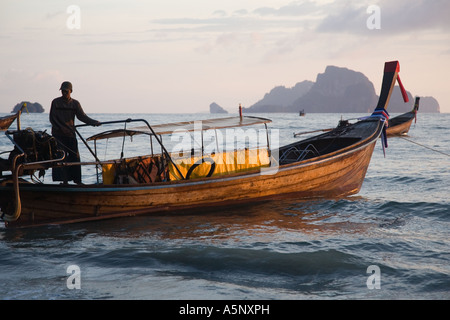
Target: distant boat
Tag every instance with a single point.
(5, 122)
(302, 113)
(400, 125)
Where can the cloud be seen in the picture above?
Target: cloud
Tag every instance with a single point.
(241, 12)
(220, 13)
(281, 31)
(295, 9)
(55, 14)
(54, 76)
(28, 85)
(243, 28)
(396, 17)
(407, 16)
(260, 19)
(351, 18)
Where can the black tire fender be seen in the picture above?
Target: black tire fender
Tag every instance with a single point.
(199, 162)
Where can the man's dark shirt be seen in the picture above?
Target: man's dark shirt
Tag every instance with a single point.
(62, 116)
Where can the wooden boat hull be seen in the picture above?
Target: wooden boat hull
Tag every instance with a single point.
(336, 175)
(6, 122)
(401, 127)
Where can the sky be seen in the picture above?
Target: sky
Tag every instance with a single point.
(176, 56)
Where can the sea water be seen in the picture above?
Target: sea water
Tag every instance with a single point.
(389, 241)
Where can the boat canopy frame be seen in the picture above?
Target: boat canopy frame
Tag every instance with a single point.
(158, 130)
(168, 128)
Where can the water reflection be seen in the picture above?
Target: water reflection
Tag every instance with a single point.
(274, 220)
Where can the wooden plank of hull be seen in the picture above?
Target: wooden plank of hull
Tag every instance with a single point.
(334, 177)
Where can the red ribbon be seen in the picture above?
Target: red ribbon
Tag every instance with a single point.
(402, 88)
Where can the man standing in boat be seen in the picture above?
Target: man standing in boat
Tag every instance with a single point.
(62, 117)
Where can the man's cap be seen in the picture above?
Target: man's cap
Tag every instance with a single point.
(66, 85)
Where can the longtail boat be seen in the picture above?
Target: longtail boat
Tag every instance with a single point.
(400, 125)
(6, 121)
(330, 165)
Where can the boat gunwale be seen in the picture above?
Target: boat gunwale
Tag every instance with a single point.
(404, 117)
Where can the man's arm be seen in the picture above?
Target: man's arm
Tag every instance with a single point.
(83, 117)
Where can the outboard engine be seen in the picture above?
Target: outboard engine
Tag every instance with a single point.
(35, 146)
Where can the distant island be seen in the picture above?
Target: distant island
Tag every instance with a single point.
(337, 90)
(31, 107)
(215, 108)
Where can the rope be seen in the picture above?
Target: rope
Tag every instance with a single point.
(18, 204)
(445, 154)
